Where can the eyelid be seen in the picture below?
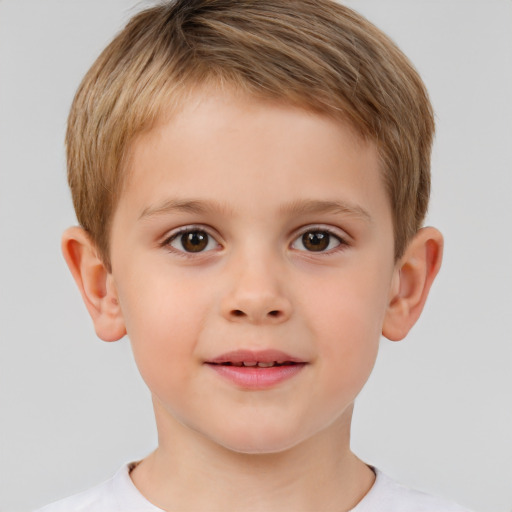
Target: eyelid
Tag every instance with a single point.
(175, 233)
(329, 228)
(342, 236)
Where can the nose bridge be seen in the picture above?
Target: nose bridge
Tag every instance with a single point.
(256, 291)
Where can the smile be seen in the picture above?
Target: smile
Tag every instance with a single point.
(258, 364)
(259, 370)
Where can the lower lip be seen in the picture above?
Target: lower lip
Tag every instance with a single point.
(250, 377)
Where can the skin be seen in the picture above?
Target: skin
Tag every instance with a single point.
(251, 178)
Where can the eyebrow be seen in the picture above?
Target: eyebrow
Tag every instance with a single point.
(182, 205)
(314, 206)
(294, 208)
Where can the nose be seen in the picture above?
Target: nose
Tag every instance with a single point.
(256, 294)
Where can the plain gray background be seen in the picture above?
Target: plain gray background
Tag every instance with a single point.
(437, 411)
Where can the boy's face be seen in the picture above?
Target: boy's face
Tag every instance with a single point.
(258, 232)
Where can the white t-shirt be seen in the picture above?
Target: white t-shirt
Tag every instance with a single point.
(119, 494)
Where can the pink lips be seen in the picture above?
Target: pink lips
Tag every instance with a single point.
(256, 369)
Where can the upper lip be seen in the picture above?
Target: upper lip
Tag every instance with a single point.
(255, 356)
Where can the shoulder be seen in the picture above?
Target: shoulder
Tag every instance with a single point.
(386, 495)
(97, 499)
(115, 495)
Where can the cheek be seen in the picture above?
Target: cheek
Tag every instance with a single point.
(350, 307)
(159, 305)
(163, 324)
(347, 319)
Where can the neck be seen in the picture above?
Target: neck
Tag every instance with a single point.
(190, 472)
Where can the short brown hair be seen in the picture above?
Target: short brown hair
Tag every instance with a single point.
(316, 54)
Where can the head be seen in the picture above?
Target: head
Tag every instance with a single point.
(318, 55)
(251, 178)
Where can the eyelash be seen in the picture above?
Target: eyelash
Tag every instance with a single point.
(183, 231)
(341, 241)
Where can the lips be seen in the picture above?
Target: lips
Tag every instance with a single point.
(251, 358)
(259, 364)
(256, 369)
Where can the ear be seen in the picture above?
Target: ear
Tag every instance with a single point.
(414, 274)
(95, 282)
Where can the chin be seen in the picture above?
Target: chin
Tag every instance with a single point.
(258, 443)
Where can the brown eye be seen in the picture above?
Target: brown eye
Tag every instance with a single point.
(194, 240)
(316, 241)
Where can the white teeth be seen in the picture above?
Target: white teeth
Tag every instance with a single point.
(253, 364)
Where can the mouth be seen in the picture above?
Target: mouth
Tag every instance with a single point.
(256, 370)
(258, 364)
(255, 358)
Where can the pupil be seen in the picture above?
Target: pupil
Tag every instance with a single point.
(316, 240)
(194, 241)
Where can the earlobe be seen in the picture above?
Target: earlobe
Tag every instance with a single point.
(95, 283)
(414, 275)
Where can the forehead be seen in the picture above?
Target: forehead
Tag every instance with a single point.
(220, 142)
(223, 104)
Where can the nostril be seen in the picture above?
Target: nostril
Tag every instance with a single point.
(257, 315)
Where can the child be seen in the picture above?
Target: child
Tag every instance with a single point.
(251, 179)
